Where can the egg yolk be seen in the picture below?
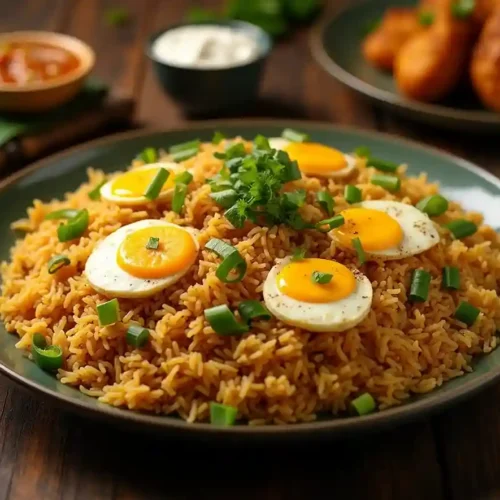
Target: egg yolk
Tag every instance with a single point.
(375, 229)
(135, 183)
(314, 158)
(295, 281)
(176, 251)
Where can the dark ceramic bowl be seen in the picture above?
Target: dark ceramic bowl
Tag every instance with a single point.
(213, 91)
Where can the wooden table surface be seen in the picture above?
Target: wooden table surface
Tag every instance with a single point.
(47, 453)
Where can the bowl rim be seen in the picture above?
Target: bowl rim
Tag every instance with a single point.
(53, 38)
(263, 52)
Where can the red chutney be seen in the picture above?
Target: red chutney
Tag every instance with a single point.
(31, 62)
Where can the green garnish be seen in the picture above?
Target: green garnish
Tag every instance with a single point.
(65, 213)
(179, 197)
(155, 186)
(388, 182)
(117, 16)
(222, 414)
(108, 312)
(426, 18)
(218, 137)
(356, 244)
(299, 254)
(352, 194)
(252, 309)
(461, 228)
(262, 142)
(462, 9)
(137, 336)
(326, 201)
(184, 155)
(331, 223)
(48, 358)
(382, 165)
(185, 146)
(75, 226)
(233, 262)
(233, 151)
(420, 283)
(95, 194)
(363, 152)
(294, 135)
(183, 178)
(433, 205)
(148, 155)
(321, 278)
(223, 321)
(226, 198)
(56, 262)
(153, 243)
(467, 313)
(363, 404)
(451, 278)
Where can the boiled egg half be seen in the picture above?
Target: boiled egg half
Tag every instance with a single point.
(142, 258)
(292, 295)
(129, 188)
(316, 159)
(386, 229)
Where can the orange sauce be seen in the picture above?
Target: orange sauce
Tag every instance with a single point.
(31, 62)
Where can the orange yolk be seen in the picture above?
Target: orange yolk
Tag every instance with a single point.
(176, 251)
(295, 281)
(314, 158)
(375, 229)
(135, 183)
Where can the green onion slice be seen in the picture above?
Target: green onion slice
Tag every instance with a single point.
(363, 152)
(252, 309)
(294, 135)
(226, 198)
(433, 205)
(388, 182)
(321, 278)
(331, 223)
(108, 312)
(222, 414)
(153, 243)
(75, 226)
(426, 18)
(56, 262)
(352, 194)
(218, 137)
(185, 146)
(179, 197)
(65, 213)
(184, 155)
(95, 194)
(326, 201)
(223, 321)
(232, 262)
(382, 165)
(148, 155)
(420, 284)
(466, 313)
(363, 404)
(48, 358)
(299, 254)
(462, 9)
(451, 278)
(155, 186)
(137, 336)
(461, 228)
(356, 244)
(184, 178)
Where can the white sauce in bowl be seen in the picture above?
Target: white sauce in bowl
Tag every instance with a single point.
(205, 46)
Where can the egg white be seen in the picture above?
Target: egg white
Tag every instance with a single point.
(280, 143)
(107, 194)
(335, 316)
(107, 277)
(419, 231)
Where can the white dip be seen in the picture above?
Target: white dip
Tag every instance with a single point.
(205, 46)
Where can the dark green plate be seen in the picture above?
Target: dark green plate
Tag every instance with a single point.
(65, 171)
(336, 46)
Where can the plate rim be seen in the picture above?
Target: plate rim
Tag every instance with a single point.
(334, 427)
(401, 103)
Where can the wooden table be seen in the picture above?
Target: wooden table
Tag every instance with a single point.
(46, 453)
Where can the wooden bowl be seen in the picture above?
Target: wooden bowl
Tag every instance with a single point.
(42, 96)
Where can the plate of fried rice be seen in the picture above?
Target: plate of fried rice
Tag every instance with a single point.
(251, 277)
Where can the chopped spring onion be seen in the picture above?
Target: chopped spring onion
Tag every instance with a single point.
(420, 283)
(154, 188)
(153, 243)
(223, 321)
(108, 312)
(326, 201)
(363, 152)
(356, 244)
(252, 309)
(331, 223)
(137, 336)
(433, 205)
(462, 9)
(461, 228)
(48, 358)
(387, 182)
(185, 146)
(236, 150)
(233, 261)
(75, 226)
(451, 278)
(426, 18)
(363, 404)
(184, 155)
(218, 137)
(56, 262)
(148, 155)
(467, 313)
(222, 414)
(294, 136)
(184, 177)
(95, 194)
(321, 278)
(65, 213)
(299, 254)
(226, 198)
(261, 142)
(352, 194)
(179, 197)
(382, 165)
